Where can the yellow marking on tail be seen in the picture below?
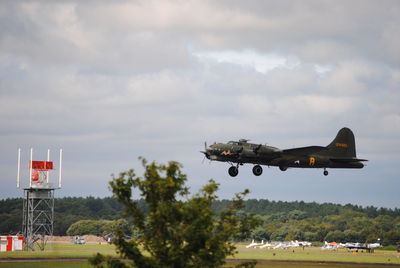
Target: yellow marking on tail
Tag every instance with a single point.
(343, 145)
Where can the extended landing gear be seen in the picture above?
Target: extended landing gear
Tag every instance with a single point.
(326, 172)
(257, 170)
(233, 171)
(282, 168)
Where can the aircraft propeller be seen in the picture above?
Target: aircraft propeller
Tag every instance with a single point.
(206, 155)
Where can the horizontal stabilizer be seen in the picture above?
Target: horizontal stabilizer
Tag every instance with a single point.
(347, 160)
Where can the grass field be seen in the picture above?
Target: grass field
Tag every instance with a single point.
(68, 252)
(319, 255)
(62, 250)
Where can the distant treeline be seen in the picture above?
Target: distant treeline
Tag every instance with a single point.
(281, 220)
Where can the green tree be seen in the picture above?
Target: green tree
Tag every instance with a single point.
(310, 236)
(85, 227)
(280, 234)
(297, 215)
(98, 227)
(177, 231)
(335, 236)
(260, 233)
(352, 236)
(62, 221)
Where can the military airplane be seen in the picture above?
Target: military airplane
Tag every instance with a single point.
(340, 153)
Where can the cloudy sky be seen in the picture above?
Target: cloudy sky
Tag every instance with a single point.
(109, 81)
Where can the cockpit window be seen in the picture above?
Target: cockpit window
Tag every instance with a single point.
(234, 143)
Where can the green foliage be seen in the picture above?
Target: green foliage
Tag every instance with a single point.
(305, 221)
(67, 211)
(177, 231)
(260, 233)
(11, 222)
(10, 216)
(97, 227)
(347, 226)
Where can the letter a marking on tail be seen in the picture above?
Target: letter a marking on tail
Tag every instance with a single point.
(312, 161)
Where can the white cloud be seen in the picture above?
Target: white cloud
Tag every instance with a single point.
(316, 106)
(351, 78)
(249, 59)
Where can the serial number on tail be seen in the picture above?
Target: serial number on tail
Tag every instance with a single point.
(343, 145)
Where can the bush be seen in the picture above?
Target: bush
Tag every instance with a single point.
(96, 227)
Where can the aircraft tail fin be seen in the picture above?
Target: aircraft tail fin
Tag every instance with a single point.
(343, 146)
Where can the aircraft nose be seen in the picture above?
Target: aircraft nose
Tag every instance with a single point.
(206, 154)
(211, 152)
(208, 151)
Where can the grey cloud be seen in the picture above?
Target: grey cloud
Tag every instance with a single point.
(109, 82)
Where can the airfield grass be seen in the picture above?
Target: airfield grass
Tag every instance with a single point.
(65, 253)
(313, 254)
(48, 264)
(62, 250)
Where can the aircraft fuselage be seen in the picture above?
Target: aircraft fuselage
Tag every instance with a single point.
(340, 153)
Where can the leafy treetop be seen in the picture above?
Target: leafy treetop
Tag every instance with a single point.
(177, 230)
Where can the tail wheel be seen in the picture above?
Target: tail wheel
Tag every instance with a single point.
(326, 172)
(233, 171)
(257, 170)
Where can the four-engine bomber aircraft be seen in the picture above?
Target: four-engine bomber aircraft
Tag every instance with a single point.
(340, 153)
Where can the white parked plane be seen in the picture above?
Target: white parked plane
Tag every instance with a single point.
(360, 246)
(254, 244)
(331, 245)
(267, 245)
(304, 243)
(377, 244)
(280, 246)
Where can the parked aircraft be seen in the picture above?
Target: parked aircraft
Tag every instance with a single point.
(278, 244)
(360, 246)
(340, 153)
(377, 244)
(267, 245)
(254, 244)
(353, 246)
(286, 245)
(304, 243)
(332, 245)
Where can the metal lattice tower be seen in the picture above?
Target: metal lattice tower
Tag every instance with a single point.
(38, 217)
(38, 206)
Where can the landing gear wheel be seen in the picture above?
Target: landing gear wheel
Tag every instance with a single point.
(282, 168)
(233, 171)
(326, 172)
(257, 170)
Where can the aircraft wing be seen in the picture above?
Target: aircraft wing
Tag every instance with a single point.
(301, 151)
